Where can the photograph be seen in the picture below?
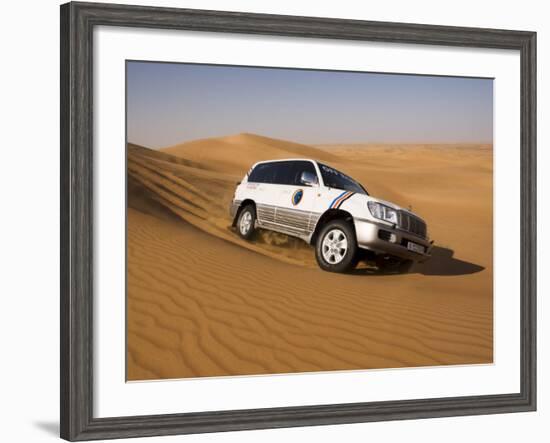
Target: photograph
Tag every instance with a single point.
(284, 220)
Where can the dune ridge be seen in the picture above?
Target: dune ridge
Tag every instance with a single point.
(236, 152)
(202, 302)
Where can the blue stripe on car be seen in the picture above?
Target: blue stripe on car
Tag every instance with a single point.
(337, 199)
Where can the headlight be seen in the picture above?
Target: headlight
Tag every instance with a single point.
(382, 212)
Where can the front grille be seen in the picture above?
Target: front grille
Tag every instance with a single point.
(412, 224)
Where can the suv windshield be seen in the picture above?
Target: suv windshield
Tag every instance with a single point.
(338, 180)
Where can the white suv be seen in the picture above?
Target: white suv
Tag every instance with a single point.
(307, 199)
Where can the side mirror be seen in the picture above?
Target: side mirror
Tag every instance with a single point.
(308, 179)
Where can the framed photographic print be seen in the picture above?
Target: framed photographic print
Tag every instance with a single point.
(273, 221)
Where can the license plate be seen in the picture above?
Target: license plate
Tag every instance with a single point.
(415, 248)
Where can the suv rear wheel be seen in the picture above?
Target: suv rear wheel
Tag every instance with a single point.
(246, 222)
(336, 247)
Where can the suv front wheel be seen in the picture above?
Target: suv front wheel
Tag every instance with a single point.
(336, 247)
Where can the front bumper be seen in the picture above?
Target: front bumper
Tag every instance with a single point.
(385, 239)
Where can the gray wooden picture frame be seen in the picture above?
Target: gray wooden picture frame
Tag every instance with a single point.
(77, 23)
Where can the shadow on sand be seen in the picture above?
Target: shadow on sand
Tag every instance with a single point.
(441, 263)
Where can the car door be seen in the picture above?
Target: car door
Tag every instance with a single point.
(262, 190)
(296, 199)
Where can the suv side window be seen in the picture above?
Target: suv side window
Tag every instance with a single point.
(281, 173)
(263, 173)
(294, 171)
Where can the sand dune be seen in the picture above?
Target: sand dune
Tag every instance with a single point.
(202, 302)
(203, 201)
(237, 153)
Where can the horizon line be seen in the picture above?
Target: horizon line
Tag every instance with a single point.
(355, 143)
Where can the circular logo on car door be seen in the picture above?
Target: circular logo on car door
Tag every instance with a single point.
(297, 196)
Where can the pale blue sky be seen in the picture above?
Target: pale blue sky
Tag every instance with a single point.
(169, 103)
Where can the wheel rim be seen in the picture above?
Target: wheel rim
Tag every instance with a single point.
(335, 246)
(246, 223)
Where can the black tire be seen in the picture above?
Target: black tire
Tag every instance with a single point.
(393, 265)
(339, 261)
(247, 229)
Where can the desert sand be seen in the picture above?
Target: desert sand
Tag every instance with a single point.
(202, 302)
